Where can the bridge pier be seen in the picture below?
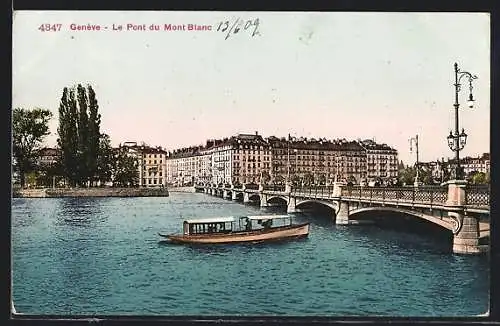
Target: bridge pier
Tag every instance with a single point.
(466, 229)
(226, 194)
(263, 200)
(466, 240)
(233, 195)
(246, 197)
(342, 215)
(290, 207)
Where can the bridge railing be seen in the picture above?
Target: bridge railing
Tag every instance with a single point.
(275, 188)
(424, 195)
(477, 195)
(252, 186)
(316, 191)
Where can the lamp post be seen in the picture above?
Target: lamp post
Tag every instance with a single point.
(288, 160)
(415, 140)
(288, 186)
(296, 170)
(456, 140)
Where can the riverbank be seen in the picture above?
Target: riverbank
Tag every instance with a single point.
(181, 189)
(89, 192)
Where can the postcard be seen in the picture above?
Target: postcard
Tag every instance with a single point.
(237, 164)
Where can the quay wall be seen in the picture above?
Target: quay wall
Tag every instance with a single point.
(90, 192)
(181, 189)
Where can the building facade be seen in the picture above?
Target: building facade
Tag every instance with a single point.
(381, 162)
(250, 158)
(151, 163)
(187, 166)
(319, 162)
(48, 156)
(481, 163)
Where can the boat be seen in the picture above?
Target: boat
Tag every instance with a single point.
(251, 229)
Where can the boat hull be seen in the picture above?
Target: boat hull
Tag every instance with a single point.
(270, 235)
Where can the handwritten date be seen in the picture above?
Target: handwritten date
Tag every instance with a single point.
(238, 25)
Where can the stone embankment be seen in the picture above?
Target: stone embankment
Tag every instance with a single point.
(90, 192)
(181, 189)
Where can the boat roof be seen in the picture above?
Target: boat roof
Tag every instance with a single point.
(211, 220)
(267, 217)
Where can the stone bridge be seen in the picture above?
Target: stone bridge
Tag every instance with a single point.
(458, 207)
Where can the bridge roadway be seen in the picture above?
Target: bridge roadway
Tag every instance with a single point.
(460, 208)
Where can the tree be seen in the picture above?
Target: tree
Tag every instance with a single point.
(426, 177)
(79, 134)
(266, 177)
(29, 128)
(94, 134)
(68, 136)
(477, 177)
(125, 170)
(83, 131)
(407, 175)
(401, 165)
(105, 159)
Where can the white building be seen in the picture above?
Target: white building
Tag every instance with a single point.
(381, 161)
(152, 163)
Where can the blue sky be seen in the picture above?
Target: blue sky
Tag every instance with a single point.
(387, 76)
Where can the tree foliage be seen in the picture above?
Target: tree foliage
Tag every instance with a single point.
(29, 128)
(478, 178)
(105, 159)
(125, 170)
(406, 176)
(79, 134)
(266, 177)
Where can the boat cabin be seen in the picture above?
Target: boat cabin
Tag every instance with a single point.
(258, 222)
(221, 225)
(209, 225)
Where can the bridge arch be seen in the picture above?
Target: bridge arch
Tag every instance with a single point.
(444, 224)
(277, 199)
(332, 205)
(254, 197)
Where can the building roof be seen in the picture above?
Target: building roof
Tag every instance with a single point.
(145, 149)
(370, 144)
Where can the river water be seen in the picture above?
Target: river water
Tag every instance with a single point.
(103, 256)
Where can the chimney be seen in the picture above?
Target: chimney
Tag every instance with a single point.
(256, 133)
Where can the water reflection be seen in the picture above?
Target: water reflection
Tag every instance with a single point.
(80, 212)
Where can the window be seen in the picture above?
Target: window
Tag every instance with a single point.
(154, 181)
(161, 180)
(160, 173)
(149, 181)
(155, 162)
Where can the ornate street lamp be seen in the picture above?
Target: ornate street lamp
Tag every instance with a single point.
(456, 140)
(415, 139)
